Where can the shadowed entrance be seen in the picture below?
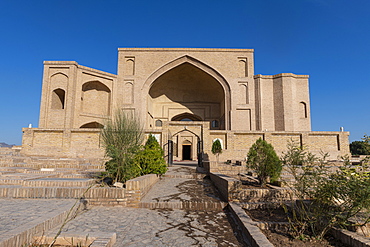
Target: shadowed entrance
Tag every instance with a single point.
(186, 151)
(187, 92)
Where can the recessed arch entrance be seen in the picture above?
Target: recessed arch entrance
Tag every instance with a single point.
(186, 144)
(187, 89)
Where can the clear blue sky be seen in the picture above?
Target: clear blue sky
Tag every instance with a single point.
(326, 39)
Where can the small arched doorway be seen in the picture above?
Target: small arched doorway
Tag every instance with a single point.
(186, 150)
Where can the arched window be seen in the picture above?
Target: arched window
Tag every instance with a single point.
(130, 66)
(214, 124)
(303, 109)
(58, 99)
(158, 123)
(243, 67)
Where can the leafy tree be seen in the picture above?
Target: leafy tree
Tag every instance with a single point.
(149, 160)
(343, 196)
(322, 199)
(308, 173)
(122, 137)
(216, 148)
(360, 147)
(263, 159)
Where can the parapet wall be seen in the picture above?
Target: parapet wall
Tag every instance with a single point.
(236, 144)
(86, 143)
(71, 143)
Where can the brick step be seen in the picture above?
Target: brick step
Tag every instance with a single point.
(59, 182)
(185, 205)
(193, 176)
(82, 167)
(95, 192)
(260, 205)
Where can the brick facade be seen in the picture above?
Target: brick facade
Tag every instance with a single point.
(185, 95)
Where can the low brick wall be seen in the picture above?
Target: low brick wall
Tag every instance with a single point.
(226, 185)
(142, 185)
(231, 189)
(222, 168)
(249, 195)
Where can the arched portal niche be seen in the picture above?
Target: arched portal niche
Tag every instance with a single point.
(95, 98)
(187, 91)
(58, 99)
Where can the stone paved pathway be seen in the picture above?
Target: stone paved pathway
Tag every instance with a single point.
(145, 227)
(137, 226)
(180, 184)
(163, 227)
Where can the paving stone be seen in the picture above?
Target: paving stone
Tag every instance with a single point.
(138, 226)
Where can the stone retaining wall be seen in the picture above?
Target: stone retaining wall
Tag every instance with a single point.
(226, 185)
(350, 238)
(231, 189)
(248, 227)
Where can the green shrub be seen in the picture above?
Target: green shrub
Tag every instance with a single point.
(149, 160)
(216, 148)
(263, 159)
(122, 137)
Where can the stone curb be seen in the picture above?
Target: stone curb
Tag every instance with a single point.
(350, 238)
(23, 234)
(92, 239)
(248, 227)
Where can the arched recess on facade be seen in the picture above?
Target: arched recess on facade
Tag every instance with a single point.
(188, 85)
(58, 74)
(92, 125)
(58, 99)
(95, 98)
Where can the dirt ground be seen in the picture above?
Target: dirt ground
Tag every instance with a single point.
(281, 237)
